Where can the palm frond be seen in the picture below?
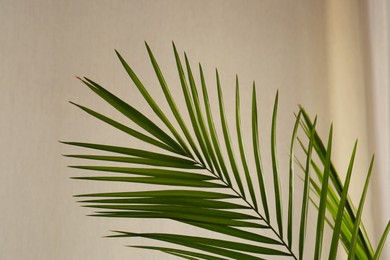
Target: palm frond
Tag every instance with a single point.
(207, 190)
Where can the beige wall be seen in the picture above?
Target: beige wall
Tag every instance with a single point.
(43, 44)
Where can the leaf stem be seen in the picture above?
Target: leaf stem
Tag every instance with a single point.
(250, 206)
(266, 221)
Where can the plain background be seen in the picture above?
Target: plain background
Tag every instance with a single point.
(316, 53)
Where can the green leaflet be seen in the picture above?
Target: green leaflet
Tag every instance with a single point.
(165, 194)
(352, 249)
(204, 141)
(195, 202)
(323, 199)
(176, 209)
(189, 103)
(206, 241)
(212, 130)
(182, 253)
(347, 223)
(132, 152)
(133, 114)
(291, 184)
(179, 216)
(256, 151)
(228, 141)
(135, 160)
(241, 146)
(152, 103)
(320, 150)
(277, 191)
(305, 196)
(149, 172)
(155, 180)
(340, 210)
(126, 129)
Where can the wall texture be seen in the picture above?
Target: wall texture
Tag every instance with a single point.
(287, 45)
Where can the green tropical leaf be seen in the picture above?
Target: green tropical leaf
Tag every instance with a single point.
(198, 188)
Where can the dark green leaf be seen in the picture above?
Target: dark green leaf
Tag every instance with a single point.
(323, 199)
(223, 214)
(234, 232)
(189, 103)
(241, 146)
(278, 192)
(155, 180)
(204, 141)
(291, 183)
(165, 194)
(302, 230)
(148, 172)
(228, 142)
(152, 103)
(257, 155)
(352, 249)
(195, 202)
(135, 160)
(131, 152)
(212, 130)
(340, 210)
(126, 129)
(179, 216)
(209, 241)
(133, 114)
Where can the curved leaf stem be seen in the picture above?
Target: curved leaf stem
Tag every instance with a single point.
(289, 249)
(267, 223)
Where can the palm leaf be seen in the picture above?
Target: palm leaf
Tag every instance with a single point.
(203, 192)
